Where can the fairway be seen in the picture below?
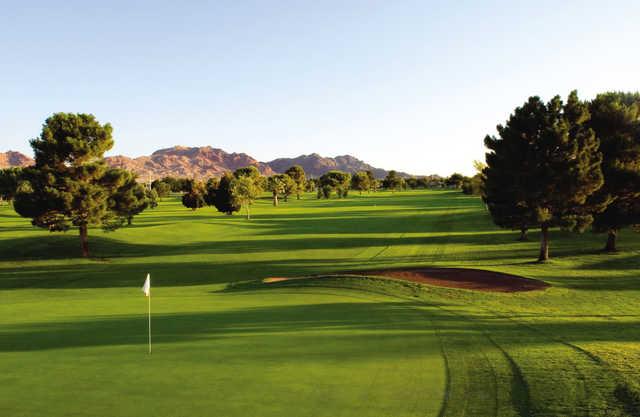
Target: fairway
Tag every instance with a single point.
(73, 338)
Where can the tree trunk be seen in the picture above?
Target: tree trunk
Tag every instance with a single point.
(285, 197)
(523, 234)
(129, 220)
(298, 196)
(544, 244)
(84, 241)
(248, 213)
(611, 241)
(275, 199)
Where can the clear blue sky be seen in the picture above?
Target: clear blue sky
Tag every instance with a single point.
(410, 85)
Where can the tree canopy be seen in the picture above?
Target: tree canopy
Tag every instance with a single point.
(615, 118)
(297, 174)
(245, 190)
(9, 180)
(70, 184)
(334, 181)
(393, 181)
(554, 154)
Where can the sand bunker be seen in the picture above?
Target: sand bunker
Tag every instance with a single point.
(470, 279)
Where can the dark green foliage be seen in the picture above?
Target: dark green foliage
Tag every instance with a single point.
(161, 187)
(615, 120)
(455, 181)
(334, 181)
(311, 185)
(253, 173)
(299, 177)
(393, 181)
(128, 198)
(194, 198)
(70, 185)
(224, 200)
(177, 185)
(152, 197)
(543, 167)
(360, 181)
(473, 185)
(9, 179)
(279, 185)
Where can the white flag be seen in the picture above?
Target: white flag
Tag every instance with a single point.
(146, 288)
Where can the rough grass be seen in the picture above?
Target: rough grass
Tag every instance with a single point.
(73, 331)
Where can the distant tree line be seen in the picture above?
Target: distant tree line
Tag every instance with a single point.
(225, 195)
(573, 165)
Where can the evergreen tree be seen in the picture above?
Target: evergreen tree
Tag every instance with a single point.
(70, 184)
(9, 179)
(224, 199)
(393, 181)
(194, 197)
(559, 167)
(129, 198)
(161, 188)
(360, 182)
(615, 118)
(297, 174)
(334, 181)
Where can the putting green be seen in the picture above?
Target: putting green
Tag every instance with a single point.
(314, 352)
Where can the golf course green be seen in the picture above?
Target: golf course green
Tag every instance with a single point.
(73, 331)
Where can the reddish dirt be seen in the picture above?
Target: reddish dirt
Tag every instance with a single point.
(275, 279)
(470, 279)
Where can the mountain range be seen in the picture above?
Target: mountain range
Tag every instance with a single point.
(204, 162)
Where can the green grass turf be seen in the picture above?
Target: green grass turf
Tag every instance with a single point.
(73, 331)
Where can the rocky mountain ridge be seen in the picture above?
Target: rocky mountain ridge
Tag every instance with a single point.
(206, 161)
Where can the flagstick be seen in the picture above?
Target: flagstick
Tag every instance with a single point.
(149, 320)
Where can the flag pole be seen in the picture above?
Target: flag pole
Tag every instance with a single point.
(149, 319)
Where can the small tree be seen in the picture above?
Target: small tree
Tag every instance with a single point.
(297, 174)
(393, 181)
(161, 188)
(194, 198)
(455, 181)
(334, 181)
(223, 198)
(360, 181)
(253, 173)
(70, 184)
(245, 191)
(311, 185)
(276, 184)
(290, 187)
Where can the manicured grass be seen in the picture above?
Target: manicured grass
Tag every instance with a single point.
(73, 331)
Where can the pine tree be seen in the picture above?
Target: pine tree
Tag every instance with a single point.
(615, 118)
(559, 167)
(224, 200)
(70, 185)
(195, 195)
(297, 174)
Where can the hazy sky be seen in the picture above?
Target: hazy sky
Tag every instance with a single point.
(409, 85)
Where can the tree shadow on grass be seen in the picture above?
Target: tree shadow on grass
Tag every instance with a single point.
(288, 321)
(395, 323)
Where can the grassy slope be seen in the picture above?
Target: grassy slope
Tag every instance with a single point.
(313, 351)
